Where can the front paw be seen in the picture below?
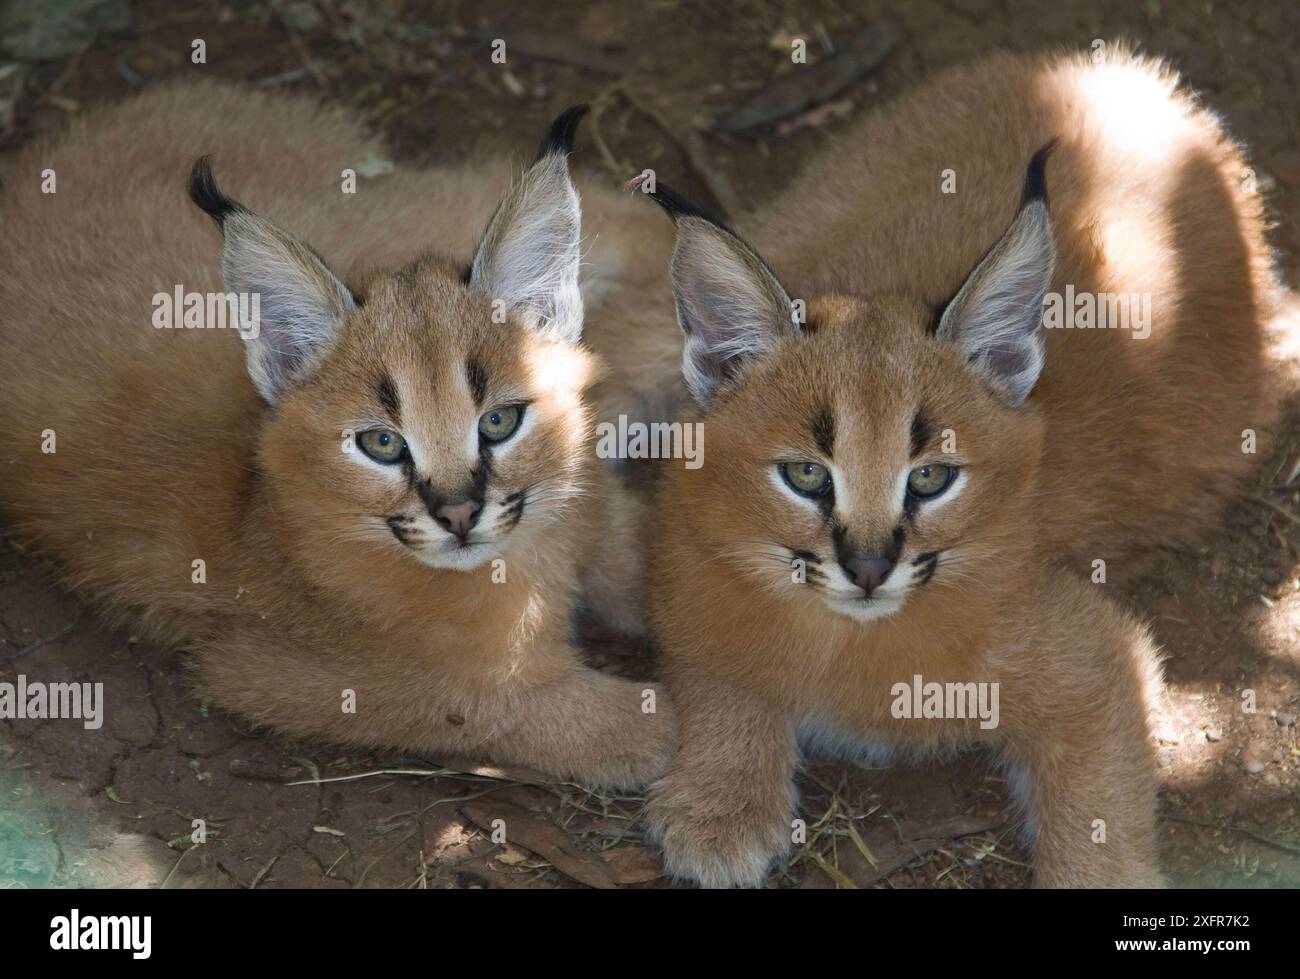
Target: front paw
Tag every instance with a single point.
(718, 835)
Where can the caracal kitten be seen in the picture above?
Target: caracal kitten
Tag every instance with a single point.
(910, 484)
(370, 520)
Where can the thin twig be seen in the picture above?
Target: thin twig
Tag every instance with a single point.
(171, 873)
(31, 647)
(382, 771)
(262, 873)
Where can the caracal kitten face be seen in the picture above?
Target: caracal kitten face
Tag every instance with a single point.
(840, 471)
(464, 433)
(369, 512)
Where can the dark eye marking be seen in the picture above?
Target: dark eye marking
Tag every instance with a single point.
(477, 376)
(481, 474)
(823, 431)
(387, 392)
(808, 557)
(921, 432)
(896, 544)
(424, 491)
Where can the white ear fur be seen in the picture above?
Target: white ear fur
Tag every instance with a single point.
(995, 319)
(300, 303)
(729, 304)
(530, 253)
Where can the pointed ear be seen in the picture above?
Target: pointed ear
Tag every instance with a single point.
(730, 305)
(529, 255)
(995, 319)
(300, 303)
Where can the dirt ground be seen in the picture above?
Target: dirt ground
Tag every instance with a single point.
(117, 806)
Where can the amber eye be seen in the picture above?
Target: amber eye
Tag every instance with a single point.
(383, 445)
(925, 482)
(806, 478)
(499, 424)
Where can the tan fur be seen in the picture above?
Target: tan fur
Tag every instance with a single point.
(1124, 445)
(166, 454)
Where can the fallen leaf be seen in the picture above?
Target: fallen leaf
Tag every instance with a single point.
(532, 832)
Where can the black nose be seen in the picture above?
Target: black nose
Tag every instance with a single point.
(868, 571)
(459, 517)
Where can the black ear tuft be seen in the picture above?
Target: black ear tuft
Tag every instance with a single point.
(559, 138)
(1036, 175)
(676, 206)
(205, 193)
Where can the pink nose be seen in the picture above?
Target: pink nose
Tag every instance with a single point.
(459, 518)
(868, 572)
